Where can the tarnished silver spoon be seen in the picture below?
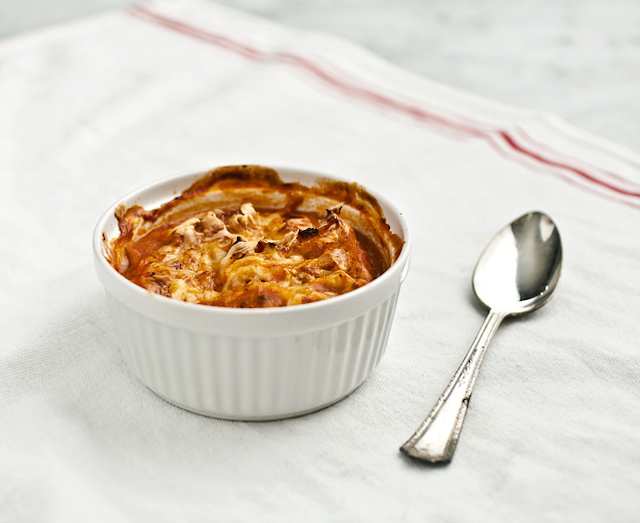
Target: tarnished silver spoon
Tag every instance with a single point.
(517, 273)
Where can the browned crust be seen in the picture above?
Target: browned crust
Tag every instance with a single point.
(135, 220)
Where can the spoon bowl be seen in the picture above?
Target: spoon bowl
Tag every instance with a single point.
(517, 272)
(519, 269)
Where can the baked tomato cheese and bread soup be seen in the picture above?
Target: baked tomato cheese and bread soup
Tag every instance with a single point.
(241, 237)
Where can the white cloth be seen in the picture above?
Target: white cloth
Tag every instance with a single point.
(96, 108)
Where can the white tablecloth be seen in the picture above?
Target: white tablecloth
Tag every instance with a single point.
(96, 108)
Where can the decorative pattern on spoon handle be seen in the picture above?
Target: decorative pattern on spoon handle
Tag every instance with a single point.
(436, 438)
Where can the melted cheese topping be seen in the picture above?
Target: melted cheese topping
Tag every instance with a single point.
(248, 258)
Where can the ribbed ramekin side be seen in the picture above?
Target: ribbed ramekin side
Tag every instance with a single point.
(337, 360)
(253, 377)
(126, 336)
(386, 319)
(365, 353)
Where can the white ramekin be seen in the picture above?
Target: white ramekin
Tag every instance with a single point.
(249, 364)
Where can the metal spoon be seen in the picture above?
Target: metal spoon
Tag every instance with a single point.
(517, 273)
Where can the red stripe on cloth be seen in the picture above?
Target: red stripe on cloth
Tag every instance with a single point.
(506, 151)
(381, 100)
(547, 161)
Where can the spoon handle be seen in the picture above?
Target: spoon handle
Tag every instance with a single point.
(436, 438)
